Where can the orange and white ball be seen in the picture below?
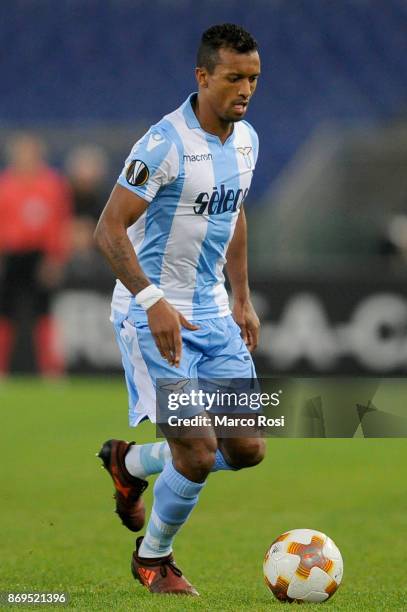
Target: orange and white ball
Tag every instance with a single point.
(303, 565)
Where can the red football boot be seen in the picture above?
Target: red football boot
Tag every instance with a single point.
(160, 575)
(129, 505)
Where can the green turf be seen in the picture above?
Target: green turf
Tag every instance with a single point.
(58, 531)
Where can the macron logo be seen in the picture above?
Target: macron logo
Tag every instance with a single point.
(198, 157)
(154, 141)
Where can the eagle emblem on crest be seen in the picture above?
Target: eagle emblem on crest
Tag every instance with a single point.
(245, 151)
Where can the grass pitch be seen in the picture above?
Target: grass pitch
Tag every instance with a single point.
(59, 533)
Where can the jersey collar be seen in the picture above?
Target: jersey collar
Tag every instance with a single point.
(192, 121)
(190, 117)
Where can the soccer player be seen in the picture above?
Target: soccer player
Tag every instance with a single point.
(172, 222)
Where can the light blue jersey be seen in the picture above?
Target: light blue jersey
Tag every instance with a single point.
(195, 187)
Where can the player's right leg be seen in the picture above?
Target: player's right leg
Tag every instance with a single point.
(130, 464)
(144, 460)
(128, 489)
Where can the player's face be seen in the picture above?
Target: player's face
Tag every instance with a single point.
(232, 83)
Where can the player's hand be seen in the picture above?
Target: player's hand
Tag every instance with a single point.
(165, 324)
(248, 321)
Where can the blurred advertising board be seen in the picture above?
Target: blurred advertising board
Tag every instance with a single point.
(353, 327)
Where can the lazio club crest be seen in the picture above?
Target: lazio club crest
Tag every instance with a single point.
(245, 151)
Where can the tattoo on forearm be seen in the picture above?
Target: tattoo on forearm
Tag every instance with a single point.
(118, 251)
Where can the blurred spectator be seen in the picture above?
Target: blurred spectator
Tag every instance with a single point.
(86, 269)
(35, 213)
(86, 167)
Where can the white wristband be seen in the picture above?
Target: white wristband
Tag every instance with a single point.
(149, 296)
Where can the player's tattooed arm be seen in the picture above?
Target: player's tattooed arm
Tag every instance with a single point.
(121, 211)
(120, 257)
(236, 268)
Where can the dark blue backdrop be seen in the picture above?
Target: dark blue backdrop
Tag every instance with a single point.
(133, 60)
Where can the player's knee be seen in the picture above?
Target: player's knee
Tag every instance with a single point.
(255, 452)
(195, 459)
(247, 454)
(196, 468)
(203, 462)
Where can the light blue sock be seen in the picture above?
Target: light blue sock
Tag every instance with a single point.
(174, 499)
(221, 463)
(142, 460)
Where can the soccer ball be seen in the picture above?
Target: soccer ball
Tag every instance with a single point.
(303, 565)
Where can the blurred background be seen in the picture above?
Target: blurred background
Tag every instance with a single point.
(83, 79)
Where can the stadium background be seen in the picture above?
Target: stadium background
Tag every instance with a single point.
(327, 260)
(328, 264)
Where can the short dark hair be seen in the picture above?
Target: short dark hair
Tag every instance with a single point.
(223, 36)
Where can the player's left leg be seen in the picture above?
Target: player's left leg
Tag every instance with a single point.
(176, 493)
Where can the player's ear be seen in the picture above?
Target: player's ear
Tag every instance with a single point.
(201, 75)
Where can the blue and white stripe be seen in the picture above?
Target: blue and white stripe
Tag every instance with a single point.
(179, 250)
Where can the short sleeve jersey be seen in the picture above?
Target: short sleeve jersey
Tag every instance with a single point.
(194, 187)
